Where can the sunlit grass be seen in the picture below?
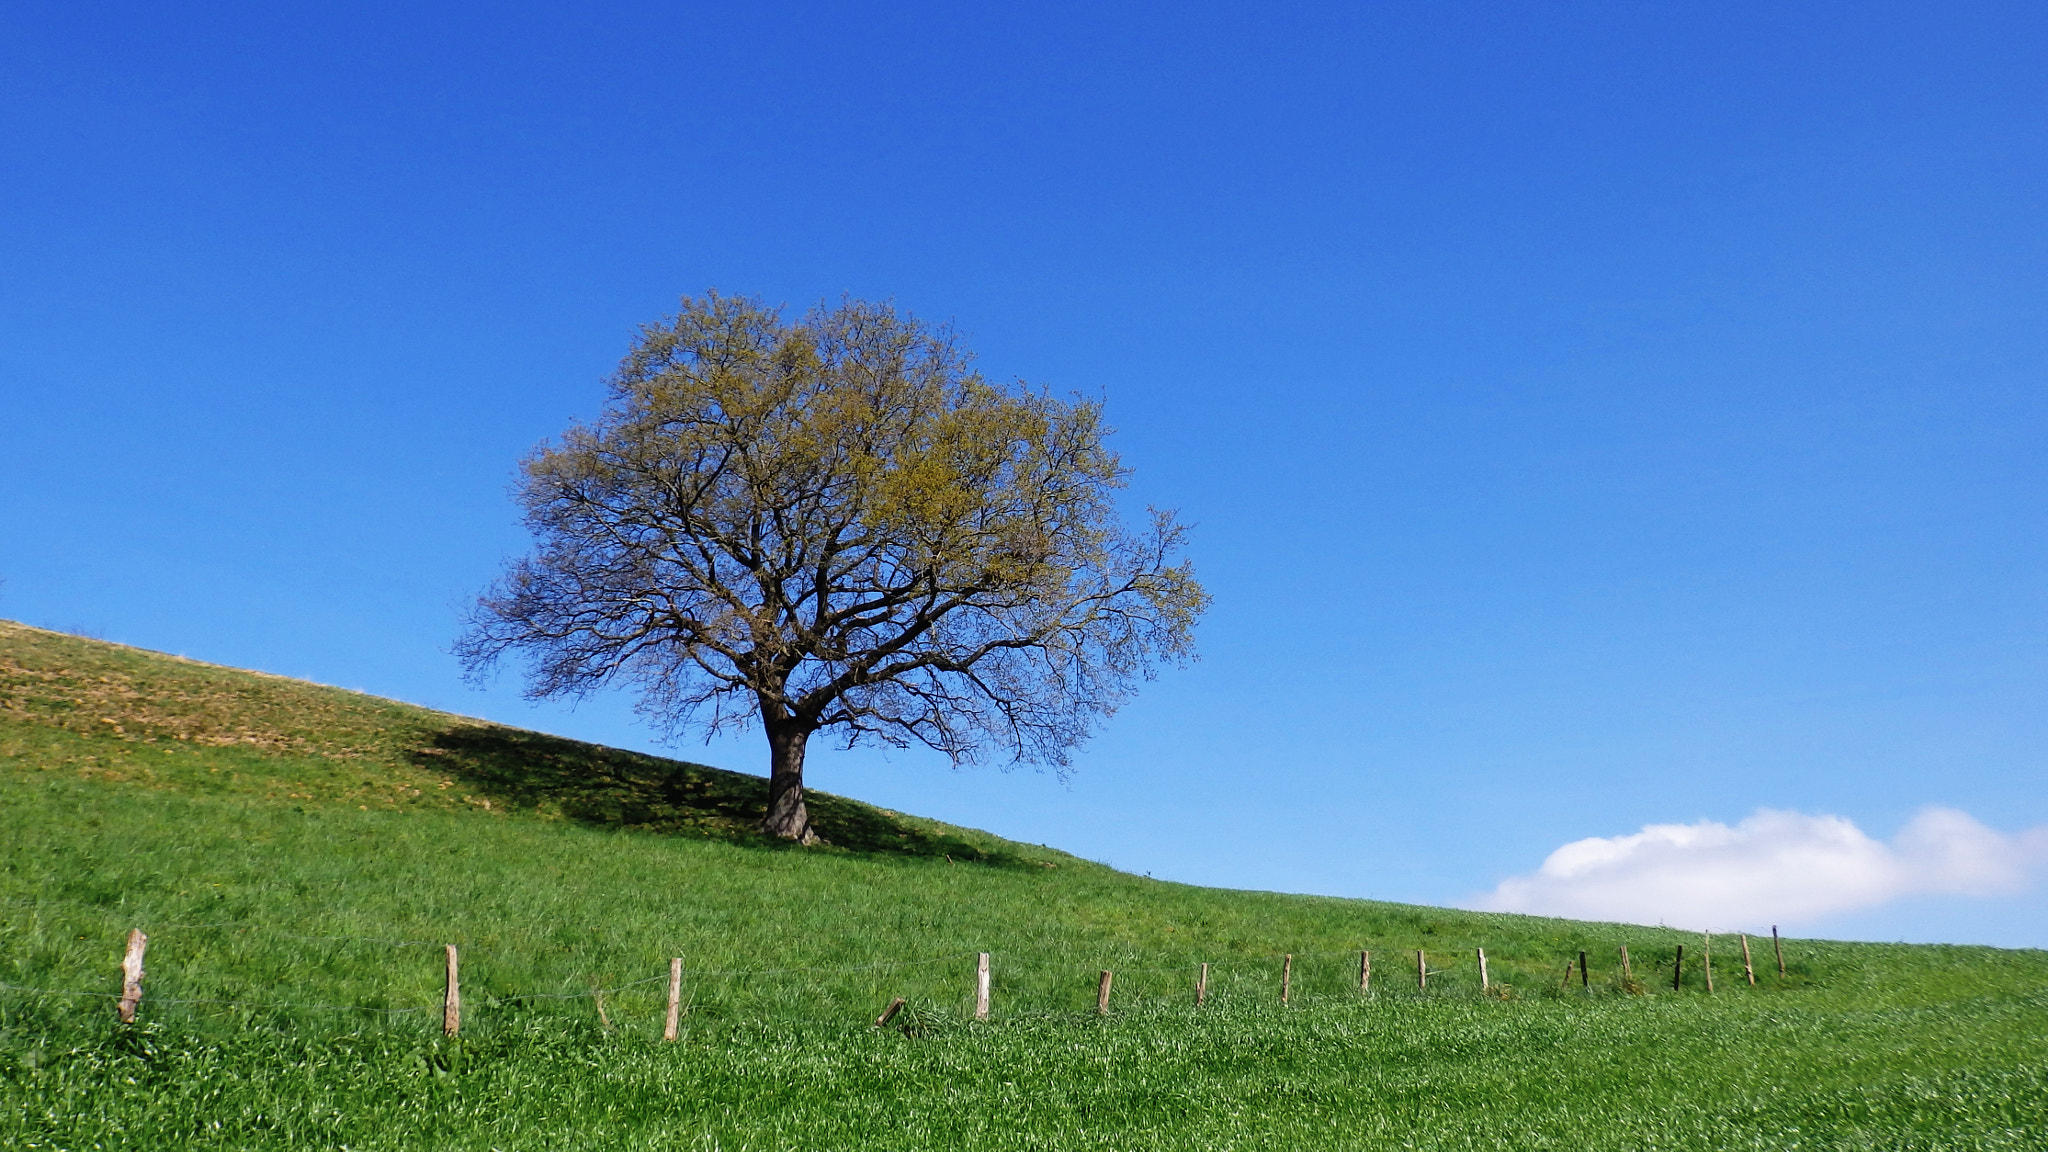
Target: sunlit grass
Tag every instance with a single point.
(298, 864)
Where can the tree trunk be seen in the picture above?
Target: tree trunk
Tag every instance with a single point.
(787, 816)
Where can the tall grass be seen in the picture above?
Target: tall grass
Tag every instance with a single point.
(261, 904)
(299, 856)
(1394, 1073)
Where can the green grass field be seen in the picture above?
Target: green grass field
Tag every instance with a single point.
(299, 855)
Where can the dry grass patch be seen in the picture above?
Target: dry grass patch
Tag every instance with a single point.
(112, 713)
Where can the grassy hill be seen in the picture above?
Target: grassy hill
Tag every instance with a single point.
(300, 854)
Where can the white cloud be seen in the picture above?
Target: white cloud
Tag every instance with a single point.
(1773, 868)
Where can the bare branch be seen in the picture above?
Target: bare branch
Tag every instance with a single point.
(837, 523)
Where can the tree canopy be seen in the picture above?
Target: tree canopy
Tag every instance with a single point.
(837, 523)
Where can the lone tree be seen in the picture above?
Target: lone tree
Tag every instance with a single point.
(837, 523)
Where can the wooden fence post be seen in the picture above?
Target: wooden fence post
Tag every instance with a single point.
(1585, 981)
(1748, 969)
(1484, 982)
(1202, 987)
(1286, 976)
(675, 998)
(1779, 949)
(1707, 958)
(1677, 967)
(1102, 994)
(981, 988)
(451, 1001)
(1421, 972)
(890, 1012)
(1626, 975)
(131, 975)
(1365, 971)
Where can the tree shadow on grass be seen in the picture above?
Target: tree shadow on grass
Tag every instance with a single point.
(613, 788)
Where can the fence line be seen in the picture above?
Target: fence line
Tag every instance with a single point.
(491, 1001)
(138, 940)
(497, 1000)
(1237, 961)
(1076, 960)
(253, 926)
(244, 925)
(218, 1003)
(852, 968)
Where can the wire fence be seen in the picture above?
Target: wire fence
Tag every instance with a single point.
(204, 980)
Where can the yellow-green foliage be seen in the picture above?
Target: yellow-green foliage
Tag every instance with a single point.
(836, 524)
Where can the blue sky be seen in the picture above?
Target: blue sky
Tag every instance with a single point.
(1594, 416)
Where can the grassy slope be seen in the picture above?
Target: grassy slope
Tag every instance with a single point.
(287, 844)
